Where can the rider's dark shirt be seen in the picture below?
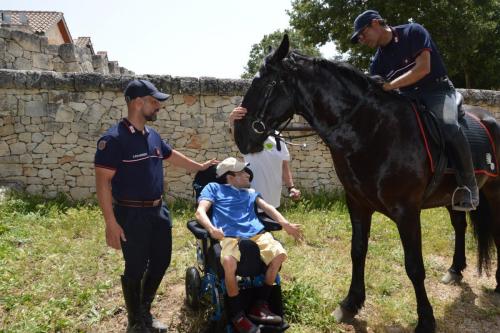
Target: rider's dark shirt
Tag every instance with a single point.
(398, 57)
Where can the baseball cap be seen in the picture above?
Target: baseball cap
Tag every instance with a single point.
(363, 20)
(141, 88)
(230, 164)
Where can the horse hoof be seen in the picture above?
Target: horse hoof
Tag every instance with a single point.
(451, 278)
(342, 315)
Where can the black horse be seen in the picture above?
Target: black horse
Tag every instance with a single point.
(377, 150)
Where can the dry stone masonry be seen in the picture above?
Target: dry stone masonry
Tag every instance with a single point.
(50, 122)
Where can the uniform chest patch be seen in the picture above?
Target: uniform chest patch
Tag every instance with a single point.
(101, 145)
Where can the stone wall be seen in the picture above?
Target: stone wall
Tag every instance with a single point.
(27, 51)
(50, 122)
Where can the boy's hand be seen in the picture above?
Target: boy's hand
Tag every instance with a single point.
(216, 233)
(295, 231)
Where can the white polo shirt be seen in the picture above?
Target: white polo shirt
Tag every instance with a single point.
(267, 168)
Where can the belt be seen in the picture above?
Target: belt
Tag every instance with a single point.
(138, 203)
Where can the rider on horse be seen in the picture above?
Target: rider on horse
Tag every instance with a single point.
(409, 60)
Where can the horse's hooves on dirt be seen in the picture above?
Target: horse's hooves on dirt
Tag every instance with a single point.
(341, 315)
(451, 278)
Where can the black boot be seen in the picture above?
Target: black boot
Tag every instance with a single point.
(149, 286)
(466, 195)
(132, 294)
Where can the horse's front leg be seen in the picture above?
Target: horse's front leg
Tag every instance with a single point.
(454, 274)
(361, 221)
(409, 230)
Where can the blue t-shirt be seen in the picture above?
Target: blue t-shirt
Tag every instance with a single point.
(398, 57)
(137, 156)
(233, 209)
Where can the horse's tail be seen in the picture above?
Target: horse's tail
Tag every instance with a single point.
(481, 221)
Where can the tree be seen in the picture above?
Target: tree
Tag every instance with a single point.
(467, 32)
(259, 51)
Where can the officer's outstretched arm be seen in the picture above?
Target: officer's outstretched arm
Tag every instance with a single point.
(202, 217)
(103, 189)
(182, 161)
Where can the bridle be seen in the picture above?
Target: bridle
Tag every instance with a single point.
(258, 125)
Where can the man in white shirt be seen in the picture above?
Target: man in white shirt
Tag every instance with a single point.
(270, 167)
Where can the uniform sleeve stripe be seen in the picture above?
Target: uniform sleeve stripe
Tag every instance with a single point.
(104, 167)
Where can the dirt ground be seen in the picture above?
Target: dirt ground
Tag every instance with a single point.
(466, 310)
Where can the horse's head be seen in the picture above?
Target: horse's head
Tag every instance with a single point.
(269, 102)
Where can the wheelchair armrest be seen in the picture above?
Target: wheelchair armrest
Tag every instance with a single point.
(197, 229)
(270, 224)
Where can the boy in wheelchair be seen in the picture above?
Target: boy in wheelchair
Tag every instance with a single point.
(234, 217)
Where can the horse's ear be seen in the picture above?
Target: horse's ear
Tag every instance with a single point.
(269, 49)
(282, 50)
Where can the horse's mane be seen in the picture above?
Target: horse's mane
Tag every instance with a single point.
(344, 68)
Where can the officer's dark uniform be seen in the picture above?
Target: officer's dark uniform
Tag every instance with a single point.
(137, 188)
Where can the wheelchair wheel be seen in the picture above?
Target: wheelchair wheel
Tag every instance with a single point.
(193, 284)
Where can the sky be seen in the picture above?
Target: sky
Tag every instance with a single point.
(175, 37)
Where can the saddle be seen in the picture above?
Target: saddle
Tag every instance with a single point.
(476, 133)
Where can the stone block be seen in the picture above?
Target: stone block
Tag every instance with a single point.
(23, 64)
(44, 173)
(42, 61)
(68, 52)
(4, 148)
(6, 130)
(43, 148)
(79, 193)
(14, 49)
(35, 108)
(88, 82)
(9, 170)
(64, 81)
(27, 41)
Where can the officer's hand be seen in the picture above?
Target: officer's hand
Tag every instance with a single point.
(295, 231)
(294, 194)
(113, 235)
(217, 233)
(237, 114)
(207, 164)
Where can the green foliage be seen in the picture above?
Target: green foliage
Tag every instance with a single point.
(260, 50)
(467, 32)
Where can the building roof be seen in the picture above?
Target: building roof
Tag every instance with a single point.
(84, 42)
(38, 21)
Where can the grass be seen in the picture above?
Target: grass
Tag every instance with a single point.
(57, 275)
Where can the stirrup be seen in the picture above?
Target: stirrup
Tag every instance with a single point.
(463, 205)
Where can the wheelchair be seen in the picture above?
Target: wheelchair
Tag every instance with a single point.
(206, 278)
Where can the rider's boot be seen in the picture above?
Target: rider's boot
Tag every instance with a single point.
(466, 195)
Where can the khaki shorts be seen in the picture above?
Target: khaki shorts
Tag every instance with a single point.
(269, 247)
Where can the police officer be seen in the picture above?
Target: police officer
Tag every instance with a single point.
(409, 60)
(129, 185)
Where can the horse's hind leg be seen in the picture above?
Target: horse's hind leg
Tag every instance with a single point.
(491, 192)
(459, 222)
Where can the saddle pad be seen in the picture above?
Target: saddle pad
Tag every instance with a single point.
(481, 145)
(477, 134)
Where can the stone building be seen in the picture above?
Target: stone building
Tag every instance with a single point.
(36, 40)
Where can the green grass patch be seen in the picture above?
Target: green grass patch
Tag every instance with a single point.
(57, 274)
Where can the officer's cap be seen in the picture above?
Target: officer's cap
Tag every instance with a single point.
(141, 88)
(363, 20)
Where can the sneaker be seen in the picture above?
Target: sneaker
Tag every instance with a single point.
(260, 313)
(243, 325)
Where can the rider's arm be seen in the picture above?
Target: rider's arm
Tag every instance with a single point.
(422, 68)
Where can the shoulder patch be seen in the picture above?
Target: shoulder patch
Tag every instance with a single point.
(101, 145)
